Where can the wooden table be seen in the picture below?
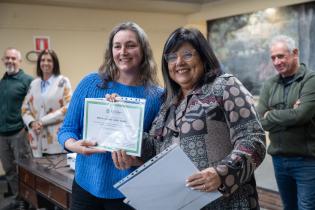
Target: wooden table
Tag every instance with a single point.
(48, 179)
(45, 180)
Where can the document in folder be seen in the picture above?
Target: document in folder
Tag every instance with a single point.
(160, 184)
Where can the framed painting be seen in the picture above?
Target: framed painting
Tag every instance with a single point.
(241, 42)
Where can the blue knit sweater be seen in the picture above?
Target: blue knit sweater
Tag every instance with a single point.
(96, 173)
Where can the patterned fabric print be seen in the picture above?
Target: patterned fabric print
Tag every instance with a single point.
(217, 126)
(237, 169)
(49, 108)
(245, 198)
(195, 148)
(192, 128)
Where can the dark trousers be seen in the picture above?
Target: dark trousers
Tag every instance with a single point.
(83, 200)
(12, 149)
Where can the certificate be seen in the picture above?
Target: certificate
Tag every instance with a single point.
(115, 125)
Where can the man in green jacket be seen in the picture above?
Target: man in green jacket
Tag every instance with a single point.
(287, 109)
(13, 137)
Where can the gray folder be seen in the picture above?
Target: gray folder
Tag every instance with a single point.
(160, 184)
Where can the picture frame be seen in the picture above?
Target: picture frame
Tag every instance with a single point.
(241, 42)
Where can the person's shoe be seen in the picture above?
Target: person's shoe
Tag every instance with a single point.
(7, 194)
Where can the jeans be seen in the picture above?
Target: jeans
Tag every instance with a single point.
(83, 200)
(295, 178)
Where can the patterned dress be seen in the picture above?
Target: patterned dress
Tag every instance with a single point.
(217, 126)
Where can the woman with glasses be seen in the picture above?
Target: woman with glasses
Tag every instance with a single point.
(45, 105)
(212, 117)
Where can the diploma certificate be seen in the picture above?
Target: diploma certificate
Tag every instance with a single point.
(115, 125)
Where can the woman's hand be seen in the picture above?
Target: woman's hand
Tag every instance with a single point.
(36, 126)
(123, 161)
(83, 147)
(120, 158)
(112, 97)
(206, 180)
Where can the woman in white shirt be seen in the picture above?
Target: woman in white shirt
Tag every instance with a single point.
(45, 105)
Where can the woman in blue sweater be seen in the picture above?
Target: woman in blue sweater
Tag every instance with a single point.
(128, 70)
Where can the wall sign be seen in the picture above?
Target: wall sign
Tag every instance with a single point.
(41, 43)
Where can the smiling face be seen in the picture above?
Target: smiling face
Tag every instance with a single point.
(127, 52)
(12, 61)
(46, 65)
(284, 61)
(187, 68)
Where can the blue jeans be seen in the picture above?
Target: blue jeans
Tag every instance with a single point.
(295, 178)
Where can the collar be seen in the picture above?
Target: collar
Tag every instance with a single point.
(15, 76)
(299, 74)
(51, 79)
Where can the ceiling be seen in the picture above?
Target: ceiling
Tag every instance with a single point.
(168, 6)
(190, 1)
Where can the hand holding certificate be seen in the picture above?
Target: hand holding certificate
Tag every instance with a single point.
(115, 125)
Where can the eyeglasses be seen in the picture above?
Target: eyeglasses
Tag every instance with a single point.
(186, 55)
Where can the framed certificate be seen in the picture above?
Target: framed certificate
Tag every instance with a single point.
(115, 125)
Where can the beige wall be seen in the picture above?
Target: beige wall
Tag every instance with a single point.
(79, 35)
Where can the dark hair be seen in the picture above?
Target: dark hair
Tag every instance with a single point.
(148, 68)
(56, 68)
(198, 41)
